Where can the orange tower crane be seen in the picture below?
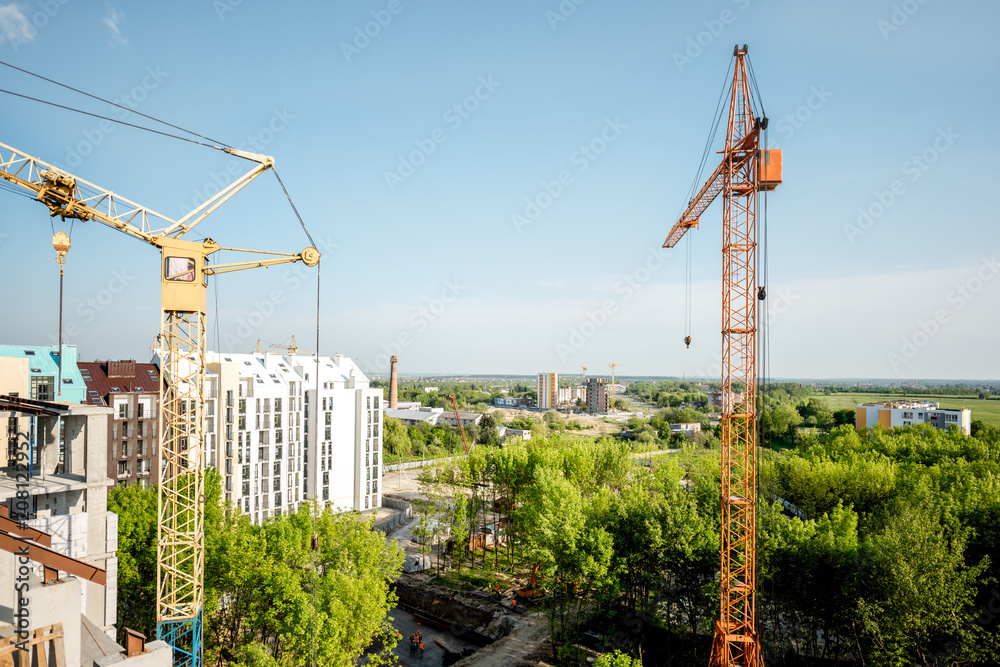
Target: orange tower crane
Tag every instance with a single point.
(744, 171)
(458, 420)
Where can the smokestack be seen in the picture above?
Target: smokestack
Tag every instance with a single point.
(393, 390)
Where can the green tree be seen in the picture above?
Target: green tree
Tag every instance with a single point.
(396, 438)
(488, 431)
(136, 510)
(617, 659)
(573, 552)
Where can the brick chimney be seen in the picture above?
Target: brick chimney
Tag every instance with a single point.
(393, 390)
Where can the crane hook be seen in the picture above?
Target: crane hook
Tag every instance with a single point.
(687, 341)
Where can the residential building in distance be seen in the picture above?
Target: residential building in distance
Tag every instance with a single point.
(414, 417)
(343, 465)
(909, 413)
(132, 390)
(43, 372)
(686, 428)
(448, 417)
(548, 391)
(254, 431)
(597, 395)
(428, 389)
(512, 402)
(571, 394)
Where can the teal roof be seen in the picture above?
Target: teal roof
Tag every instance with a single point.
(43, 361)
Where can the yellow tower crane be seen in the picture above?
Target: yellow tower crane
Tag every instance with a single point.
(611, 400)
(184, 271)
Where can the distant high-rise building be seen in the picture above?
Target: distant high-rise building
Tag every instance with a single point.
(548, 391)
(597, 395)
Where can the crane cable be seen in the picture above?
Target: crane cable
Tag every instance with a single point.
(687, 291)
(695, 183)
(114, 104)
(713, 131)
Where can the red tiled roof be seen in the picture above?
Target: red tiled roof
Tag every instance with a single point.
(144, 378)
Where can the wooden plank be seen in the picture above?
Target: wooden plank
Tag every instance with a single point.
(58, 644)
(41, 654)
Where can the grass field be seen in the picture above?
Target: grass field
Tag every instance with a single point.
(988, 410)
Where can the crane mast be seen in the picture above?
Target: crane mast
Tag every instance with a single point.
(183, 269)
(744, 171)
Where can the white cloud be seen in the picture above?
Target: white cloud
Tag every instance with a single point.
(13, 25)
(113, 22)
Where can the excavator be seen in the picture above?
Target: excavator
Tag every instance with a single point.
(532, 591)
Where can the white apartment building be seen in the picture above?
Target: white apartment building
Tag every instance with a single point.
(908, 413)
(343, 463)
(254, 428)
(548, 391)
(272, 455)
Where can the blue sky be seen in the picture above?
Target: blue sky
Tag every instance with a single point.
(428, 262)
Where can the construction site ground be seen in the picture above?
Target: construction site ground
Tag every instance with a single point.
(527, 643)
(596, 423)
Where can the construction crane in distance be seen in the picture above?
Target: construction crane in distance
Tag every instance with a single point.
(745, 170)
(184, 269)
(292, 349)
(458, 420)
(584, 374)
(611, 401)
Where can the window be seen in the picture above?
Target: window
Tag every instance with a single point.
(123, 410)
(92, 393)
(29, 353)
(116, 389)
(179, 269)
(67, 381)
